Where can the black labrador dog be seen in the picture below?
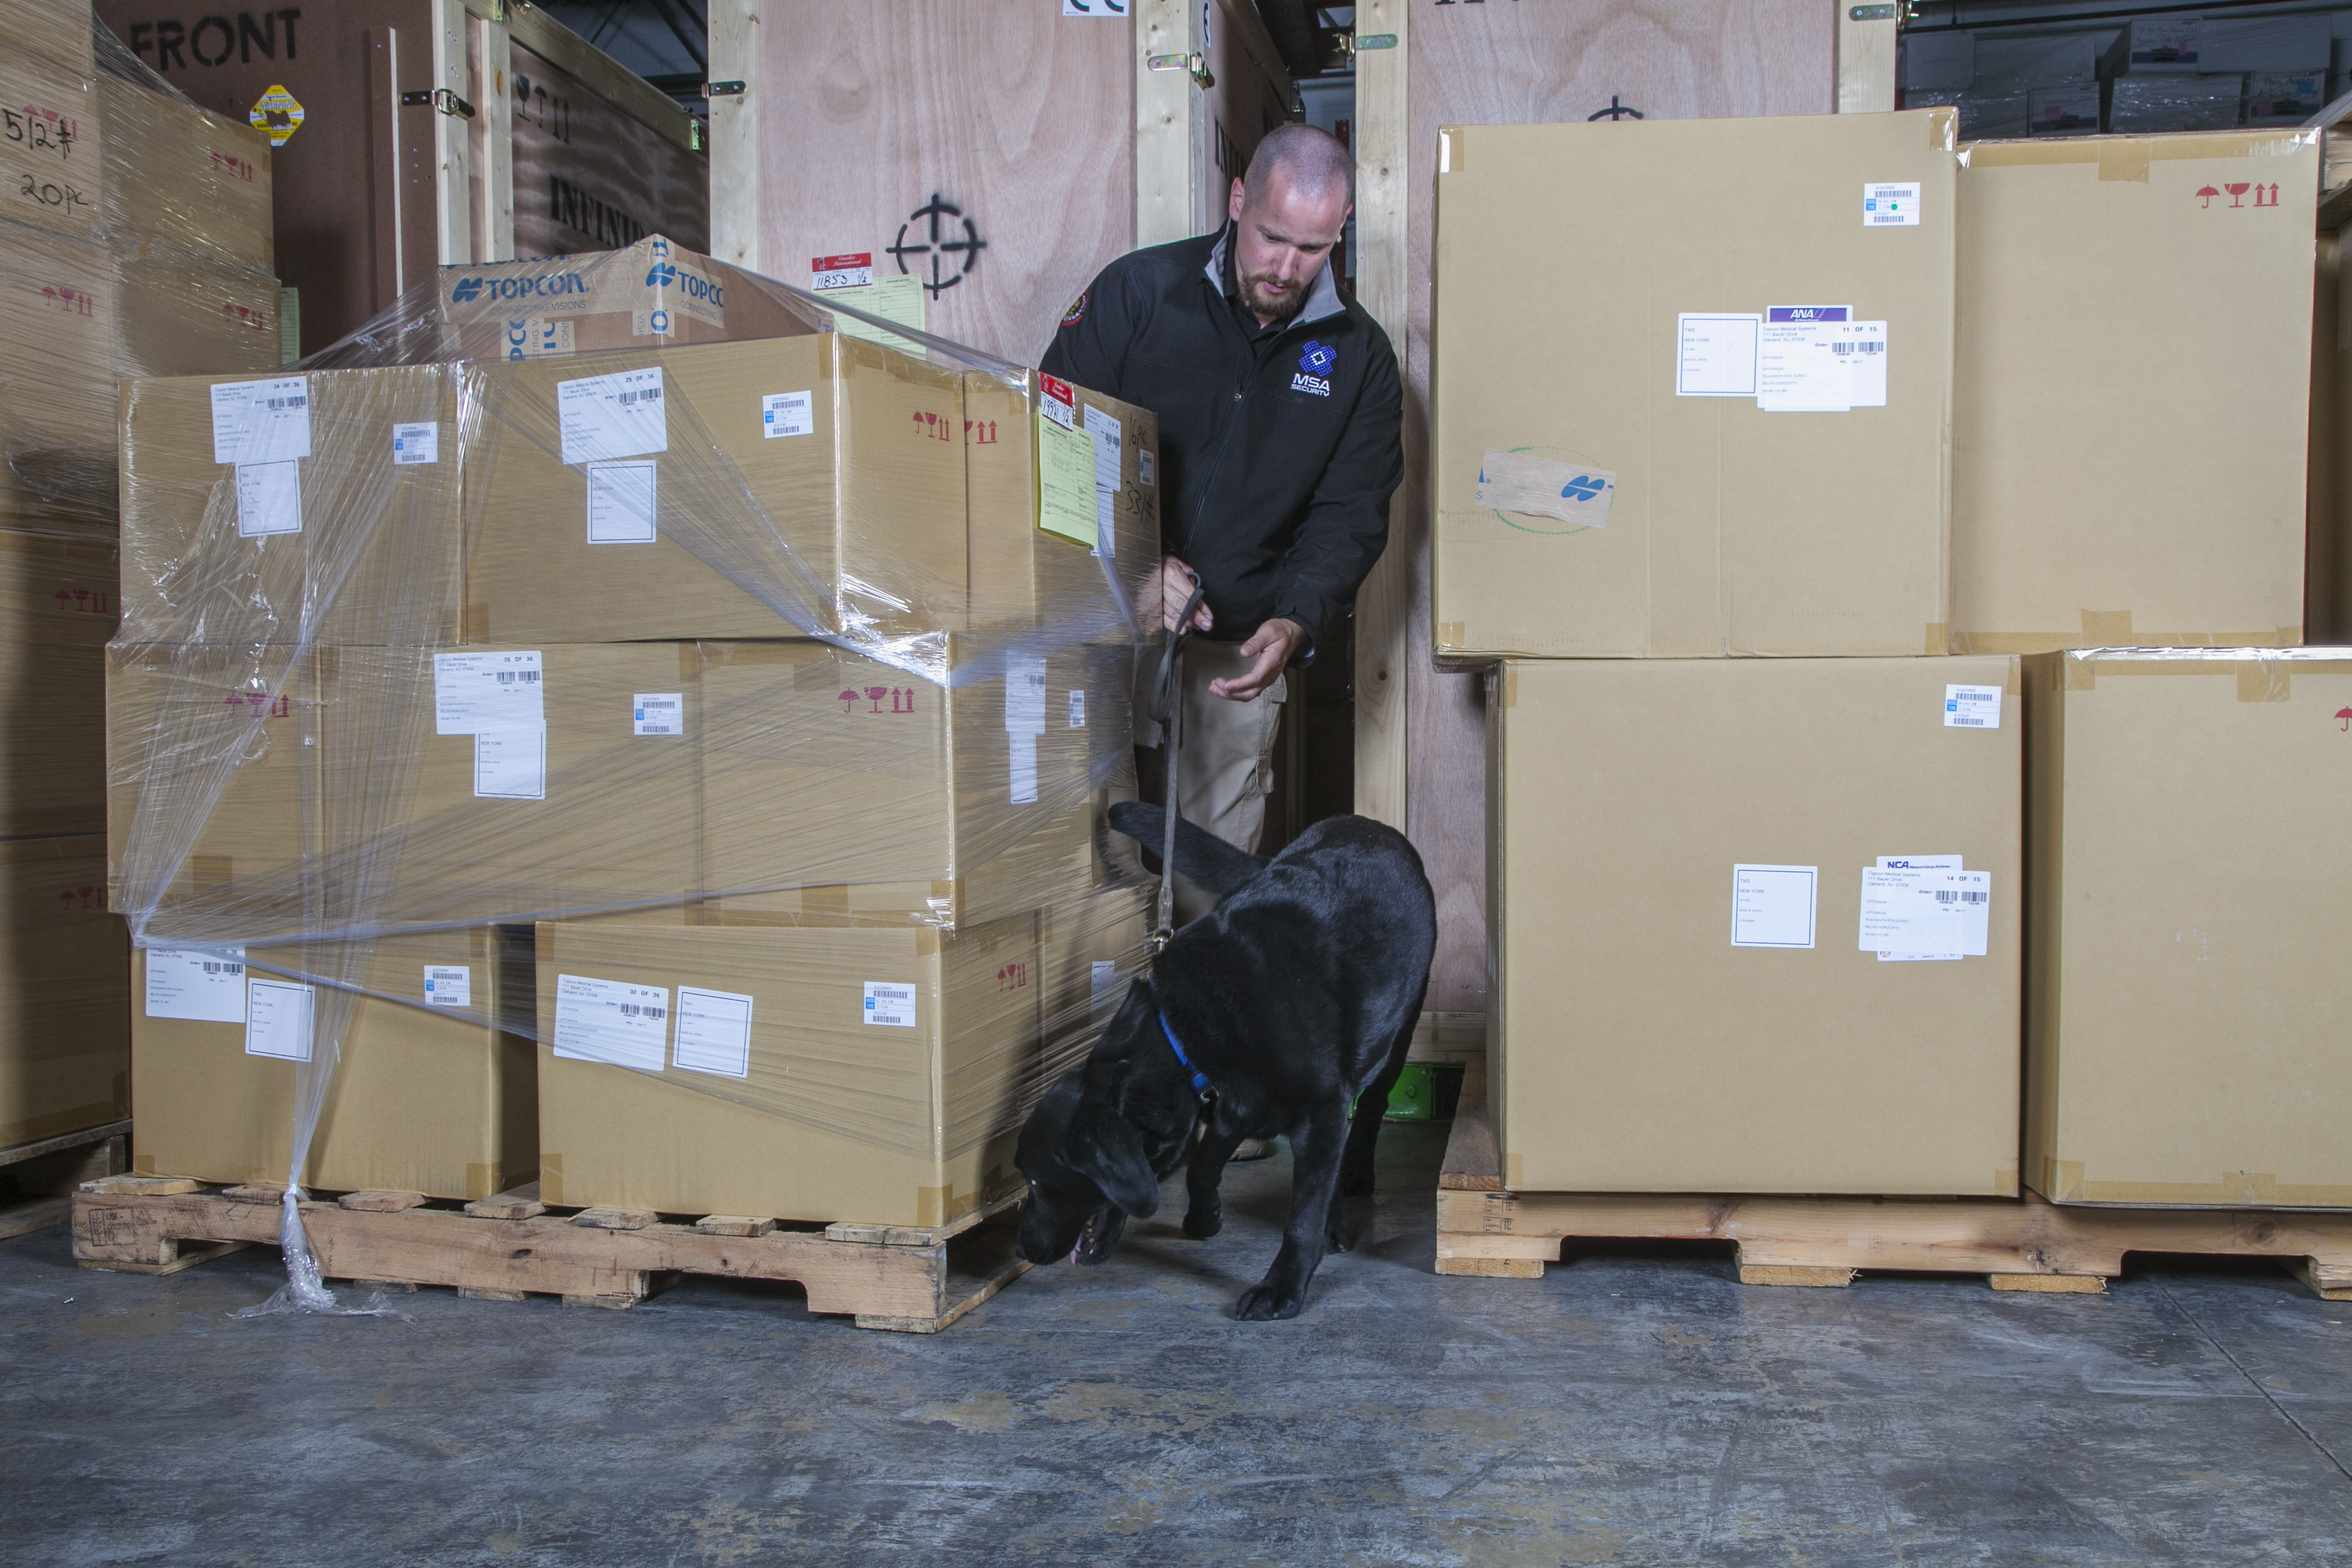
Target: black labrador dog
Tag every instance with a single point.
(1267, 1015)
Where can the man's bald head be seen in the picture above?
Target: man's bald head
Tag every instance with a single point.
(1312, 163)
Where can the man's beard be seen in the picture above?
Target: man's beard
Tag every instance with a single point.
(1268, 307)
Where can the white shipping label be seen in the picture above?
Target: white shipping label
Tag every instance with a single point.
(207, 986)
(891, 1004)
(714, 1032)
(416, 443)
(1078, 709)
(659, 713)
(1105, 990)
(787, 413)
(277, 1019)
(1542, 487)
(269, 499)
(476, 691)
(1773, 906)
(1972, 707)
(1800, 371)
(261, 421)
(621, 503)
(1714, 353)
(611, 1022)
(448, 985)
(851, 269)
(1890, 205)
(1106, 431)
(1925, 911)
(1021, 782)
(1918, 862)
(1147, 463)
(1024, 694)
(510, 764)
(617, 415)
(1862, 346)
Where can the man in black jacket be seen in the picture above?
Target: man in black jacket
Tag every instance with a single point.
(1279, 410)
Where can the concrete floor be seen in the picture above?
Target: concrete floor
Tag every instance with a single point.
(1629, 1409)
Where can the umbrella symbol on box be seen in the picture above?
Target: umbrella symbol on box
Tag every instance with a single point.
(2346, 715)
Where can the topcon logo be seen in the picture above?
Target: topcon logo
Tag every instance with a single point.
(665, 276)
(472, 288)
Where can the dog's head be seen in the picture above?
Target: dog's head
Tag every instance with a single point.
(1089, 1164)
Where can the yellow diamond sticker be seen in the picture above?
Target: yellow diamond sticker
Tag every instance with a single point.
(277, 113)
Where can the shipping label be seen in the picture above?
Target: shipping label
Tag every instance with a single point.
(261, 421)
(269, 499)
(1773, 906)
(278, 1015)
(611, 1021)
(714, 1032)
(616, 415)
(476, 691)
(891, 1004)
(621, 503)
(448, 985)
(205, 985)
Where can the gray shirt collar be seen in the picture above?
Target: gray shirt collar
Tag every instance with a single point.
(1323, 299)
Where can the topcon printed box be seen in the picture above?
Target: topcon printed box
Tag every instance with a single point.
(2154, 493)
(1723, 428)
(2192, 886)
(1754, 925)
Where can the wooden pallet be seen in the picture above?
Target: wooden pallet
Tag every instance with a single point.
(913, 1281)
(2016, 1244)
(48, 1170)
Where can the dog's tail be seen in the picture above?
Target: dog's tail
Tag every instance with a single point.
(1213, 865)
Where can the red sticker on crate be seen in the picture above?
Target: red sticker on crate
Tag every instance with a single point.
(851, 272)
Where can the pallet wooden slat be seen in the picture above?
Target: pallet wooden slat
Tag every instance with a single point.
(2017, 1244)
(916, 1281)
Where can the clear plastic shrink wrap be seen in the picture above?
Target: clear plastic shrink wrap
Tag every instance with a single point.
(773, 664)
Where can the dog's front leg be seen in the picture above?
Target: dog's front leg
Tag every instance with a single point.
(1315, 1150)
(1205, 1214)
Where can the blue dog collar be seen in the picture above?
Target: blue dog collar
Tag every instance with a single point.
(1201, 1085)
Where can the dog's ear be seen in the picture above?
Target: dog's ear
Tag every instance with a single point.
(1107, 1149)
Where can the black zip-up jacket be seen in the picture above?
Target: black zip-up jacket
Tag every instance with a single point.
(1279, 447)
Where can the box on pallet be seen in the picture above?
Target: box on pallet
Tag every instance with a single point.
(2154, 494)
(65, 1018)
(57, 31)
(433, 1091)
(1708, 446)
(2140, 106)
(2189, 890)
(1754, 925)
(56, 612)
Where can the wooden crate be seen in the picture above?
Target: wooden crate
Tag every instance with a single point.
(47, 1170)
(2016, 1244)
(913, 1281)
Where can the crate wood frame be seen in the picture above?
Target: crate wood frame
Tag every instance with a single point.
(65, 1161)
(2017, 1244)
(905, 1279)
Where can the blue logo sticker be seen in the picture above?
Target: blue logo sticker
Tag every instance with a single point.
(1584, 487)
(1319, 359)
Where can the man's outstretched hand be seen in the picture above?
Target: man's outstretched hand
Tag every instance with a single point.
(1271, 645)
(1176, 588)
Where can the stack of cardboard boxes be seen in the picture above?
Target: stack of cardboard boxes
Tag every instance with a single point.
(760, 925)
(134, 239)
(1775, 531)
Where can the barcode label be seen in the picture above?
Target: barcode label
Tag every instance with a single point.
(211, 968)
(509, 676)
(276, 403)
(1862, 348)
(643, 394)
(1972, 707)
(631, 1010)
(611, 1021)
(1960, 896)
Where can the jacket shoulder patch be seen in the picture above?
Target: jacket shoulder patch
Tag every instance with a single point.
(1077, 310)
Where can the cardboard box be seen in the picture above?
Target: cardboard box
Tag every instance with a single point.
(2068, 111)
(1996, 113)
(181, 315)
(2140, 106)
(2024, 63)
(2191, 886)
(65, 973)
(1637, 1042)
(2161, 45)
(874, 1074)
(1938, 62)
(57, 328)
(52, 148)
(56, 612)
(2282, 99)
(2154, 494)
(861, 516)
(646, 295)
(821, 768)
(1090, 949)
(2300, 44)
(57, 30)
(1728, 530)
(377, 553)
(419, 1099)
(182, 181)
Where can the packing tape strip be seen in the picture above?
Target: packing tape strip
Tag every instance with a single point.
(2113, 628)
(2125, 155)
(1939, 639)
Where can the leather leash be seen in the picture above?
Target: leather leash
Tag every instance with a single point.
(1167, 708)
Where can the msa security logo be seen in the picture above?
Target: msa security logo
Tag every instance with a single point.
(1315, 368)
(469, 289)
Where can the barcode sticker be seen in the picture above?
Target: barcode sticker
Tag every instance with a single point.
(476, 691)
(204, 985)
(1078, 709)
(448, 985)
(413, 444)
(261, 421)
(787, 413)
(1918, 863)
(1890, 206)
(1972, 707)
(714, 1032)
(616, 415)
(277, 1019)
(611, 1021)
(1925, 911)
(1862, 345)
(889, 1005)
(659, 713)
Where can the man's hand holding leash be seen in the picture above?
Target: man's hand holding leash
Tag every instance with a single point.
(1271, 646)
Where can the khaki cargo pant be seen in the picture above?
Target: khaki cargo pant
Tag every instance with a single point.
(1226, 768)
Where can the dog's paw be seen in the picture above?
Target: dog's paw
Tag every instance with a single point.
(1338, 1235)
(1201, 1224)
(1263, 1303)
